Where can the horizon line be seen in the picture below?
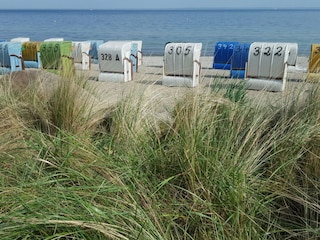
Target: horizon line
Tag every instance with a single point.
(167, 9)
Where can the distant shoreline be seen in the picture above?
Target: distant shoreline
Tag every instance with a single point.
(169, 9)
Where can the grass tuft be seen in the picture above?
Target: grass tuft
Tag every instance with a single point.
(219, 166)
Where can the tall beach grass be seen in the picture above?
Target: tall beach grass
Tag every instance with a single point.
(221, 166)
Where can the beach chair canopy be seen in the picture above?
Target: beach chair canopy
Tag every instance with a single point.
(114, 61)
(54, 55)
(10, 57)
(114, 55)
(182, 64)
(222, 55)
(267, 66)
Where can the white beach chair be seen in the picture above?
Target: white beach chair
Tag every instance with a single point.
(267, 66)
(182, 64)
(114, 61)
(80, 55)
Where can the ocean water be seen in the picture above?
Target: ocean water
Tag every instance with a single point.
(157, 27)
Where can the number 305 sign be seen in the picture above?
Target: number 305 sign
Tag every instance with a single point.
(179, 50)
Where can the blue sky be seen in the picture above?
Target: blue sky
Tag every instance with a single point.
(156, 4)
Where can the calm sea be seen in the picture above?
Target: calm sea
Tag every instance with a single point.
(157, 27)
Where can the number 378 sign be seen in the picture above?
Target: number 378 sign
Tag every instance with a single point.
(109, 57)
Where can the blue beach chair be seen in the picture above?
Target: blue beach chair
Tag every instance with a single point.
(10, 57)
(239, 60)
(222, 55)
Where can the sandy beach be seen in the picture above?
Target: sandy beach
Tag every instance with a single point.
(148, 80)
(147, 83)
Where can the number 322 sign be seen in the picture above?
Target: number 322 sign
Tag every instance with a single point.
(268, 51)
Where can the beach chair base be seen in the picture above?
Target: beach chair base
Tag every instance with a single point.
(265, 84)
(113, 77)
(172, 81)
(237, 74)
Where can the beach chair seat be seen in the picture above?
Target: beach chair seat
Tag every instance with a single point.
(31, 54)
(93, 52)
(182, 64)
(313, 73)
(267, 66)
(222, 55)
(80, 55)
(10, 57)
(57, 56)
(114, 61)
(239, 60)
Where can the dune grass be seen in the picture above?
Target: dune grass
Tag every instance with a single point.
(220, 167)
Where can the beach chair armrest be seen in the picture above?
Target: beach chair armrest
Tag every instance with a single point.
(131, 64)
(19, 57)
(199, 64)
(88, 55)
(136, 57)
